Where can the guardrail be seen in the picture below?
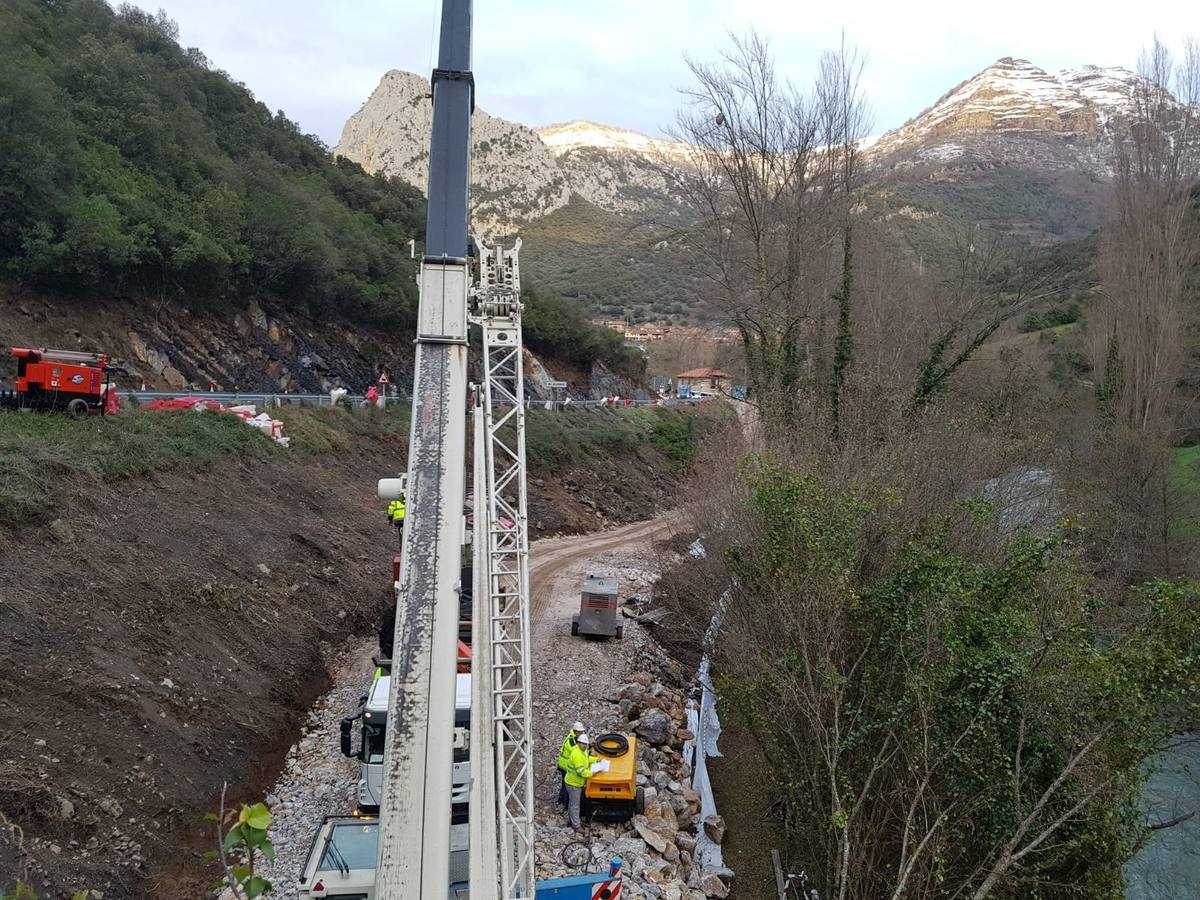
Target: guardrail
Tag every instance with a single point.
(237, 398)
(267, 399)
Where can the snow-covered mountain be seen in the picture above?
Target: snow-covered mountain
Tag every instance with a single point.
(1016, 113)
(1015, 146)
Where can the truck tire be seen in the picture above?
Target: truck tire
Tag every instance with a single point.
(620, 632)
(574, 628)
(77, 409)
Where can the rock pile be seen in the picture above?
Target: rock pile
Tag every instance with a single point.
(657, 847)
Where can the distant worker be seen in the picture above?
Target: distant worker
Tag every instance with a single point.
(395, 512)
(579, 770)
(564, 759)
(372, 395)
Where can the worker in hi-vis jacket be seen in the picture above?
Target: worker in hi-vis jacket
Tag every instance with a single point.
(579, 770)
(395, 512)
(564, 758)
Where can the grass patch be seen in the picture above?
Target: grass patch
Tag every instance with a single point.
(1185, 478)
(556, 440)
(323, 429)
(39, 452)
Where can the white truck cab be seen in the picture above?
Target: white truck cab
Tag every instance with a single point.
(341, 861)
(373, 717)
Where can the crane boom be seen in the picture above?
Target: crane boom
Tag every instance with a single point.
(414, 817)
(502, 855)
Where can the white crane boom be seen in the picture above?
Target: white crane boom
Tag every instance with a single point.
(414, 816)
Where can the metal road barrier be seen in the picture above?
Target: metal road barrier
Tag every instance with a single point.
(268, 400)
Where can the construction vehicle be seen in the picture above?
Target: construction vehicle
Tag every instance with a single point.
(597, 614)
(613, 795)
(372, 721)
(67, 381)
(341, 861)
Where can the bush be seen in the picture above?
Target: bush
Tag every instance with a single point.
(946, 711)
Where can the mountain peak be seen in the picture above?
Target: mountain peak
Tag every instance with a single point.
(1016, 97)
(582, 134)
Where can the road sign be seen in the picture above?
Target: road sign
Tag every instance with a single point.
(556, 385)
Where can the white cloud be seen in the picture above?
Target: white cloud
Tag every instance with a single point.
(621, 61)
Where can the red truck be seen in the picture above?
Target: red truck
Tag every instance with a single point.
(60, 380)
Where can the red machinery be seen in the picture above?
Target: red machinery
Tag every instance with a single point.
(63, 380)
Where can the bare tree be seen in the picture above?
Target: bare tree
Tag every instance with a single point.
(770, 201)
(1151, 247)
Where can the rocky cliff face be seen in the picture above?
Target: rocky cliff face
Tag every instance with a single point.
(517, 174)
(1015, 112)
(1013, 116)
(514, 176)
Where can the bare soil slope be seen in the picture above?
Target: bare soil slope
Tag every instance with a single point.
(162, 636)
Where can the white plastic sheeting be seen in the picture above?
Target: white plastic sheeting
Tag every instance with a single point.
(704, 723)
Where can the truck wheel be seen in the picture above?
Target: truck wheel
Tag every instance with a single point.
(620, 632)
(639, 802)
(77, 409)
(574, 628)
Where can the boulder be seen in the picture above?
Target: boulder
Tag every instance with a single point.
(713, 886)
(654, 726)
(714, 827)
(649, 834)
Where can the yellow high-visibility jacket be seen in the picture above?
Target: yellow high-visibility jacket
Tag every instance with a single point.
(396, 511)
(579, 766)
(564, 755)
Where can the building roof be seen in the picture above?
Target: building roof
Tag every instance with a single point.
(703, 373)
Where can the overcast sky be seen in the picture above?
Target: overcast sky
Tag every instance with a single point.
(621, 62)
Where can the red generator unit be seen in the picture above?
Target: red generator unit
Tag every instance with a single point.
(59, 381)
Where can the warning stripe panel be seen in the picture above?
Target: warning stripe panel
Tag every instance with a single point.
(607, 890)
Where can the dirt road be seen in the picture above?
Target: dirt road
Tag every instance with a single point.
(553, 559)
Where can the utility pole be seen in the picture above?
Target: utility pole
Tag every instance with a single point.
(414, 816)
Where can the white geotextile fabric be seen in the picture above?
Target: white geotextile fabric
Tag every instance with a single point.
(704, 723)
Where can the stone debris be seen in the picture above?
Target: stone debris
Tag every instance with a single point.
(629, 685)
(612, 685)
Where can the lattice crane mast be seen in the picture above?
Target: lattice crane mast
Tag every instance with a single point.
(501, 812)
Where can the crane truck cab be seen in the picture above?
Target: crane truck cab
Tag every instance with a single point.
(372, 719)
(341, 861)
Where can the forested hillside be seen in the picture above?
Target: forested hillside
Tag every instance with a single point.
(130, 170)
(127, 162)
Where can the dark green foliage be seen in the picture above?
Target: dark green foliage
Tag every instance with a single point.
(559, 327)
(556, 440)
(1062, 314)
(1108, 388)
(676, 437)
(999, 689)
(843, 343)
(126, 163)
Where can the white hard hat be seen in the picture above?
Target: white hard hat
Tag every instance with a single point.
(578, 728)
(583, 739)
